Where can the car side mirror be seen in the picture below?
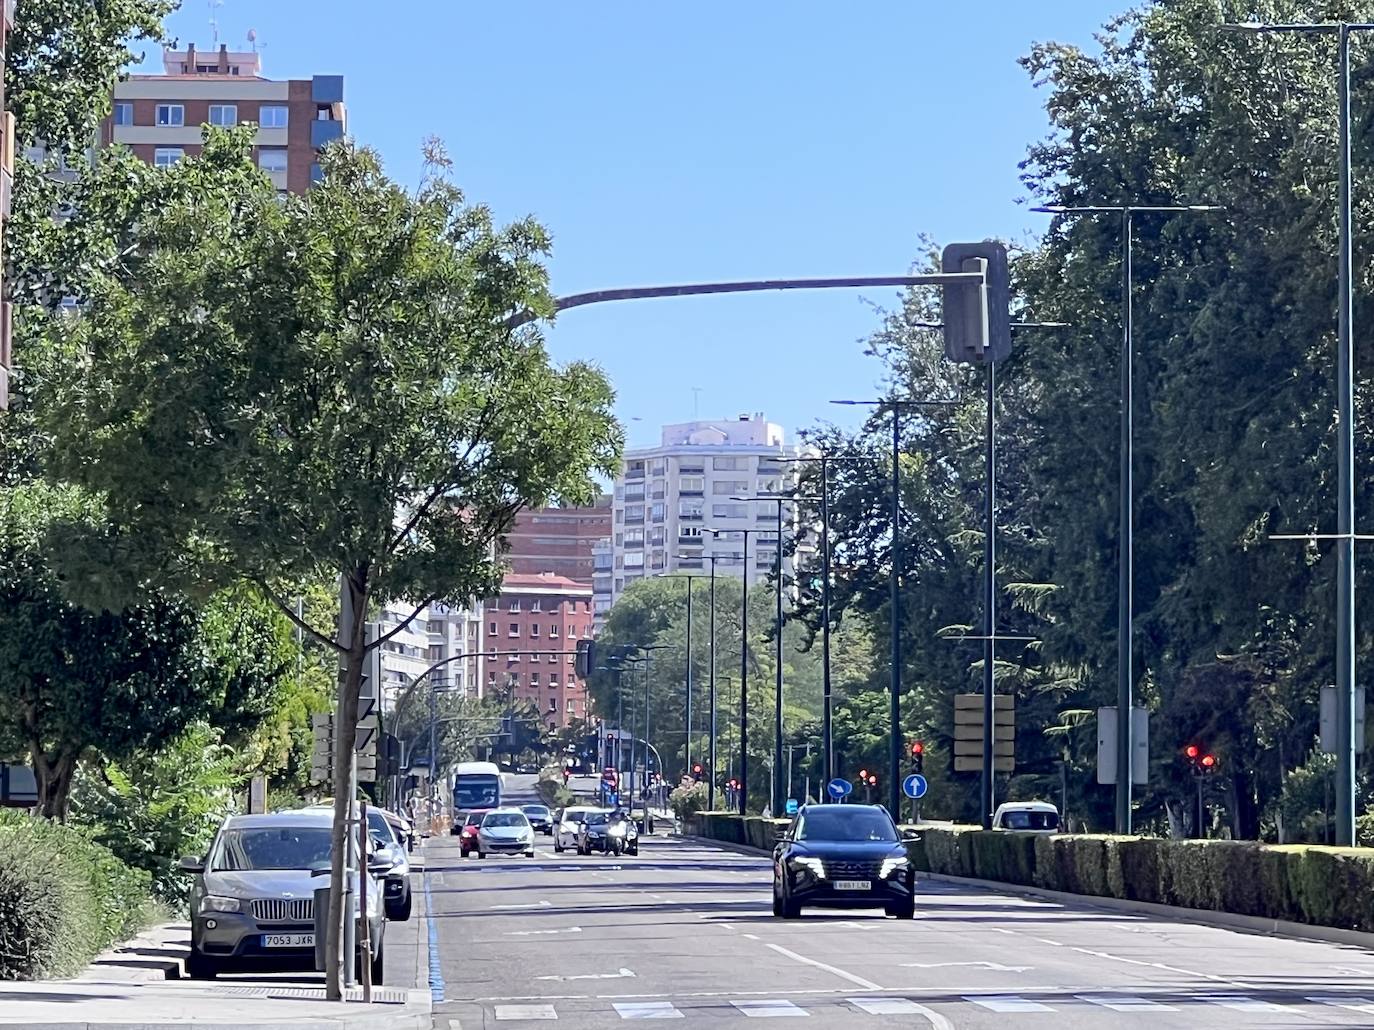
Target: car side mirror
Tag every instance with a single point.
(377, 867)
(910, 836)
(191, 864)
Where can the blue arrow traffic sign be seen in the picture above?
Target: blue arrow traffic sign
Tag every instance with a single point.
(915, 786)
(791, 806)
(838, 788)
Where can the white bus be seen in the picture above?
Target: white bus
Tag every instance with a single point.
(476, 785)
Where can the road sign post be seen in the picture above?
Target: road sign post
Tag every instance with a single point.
(969, 735)
(838, 789)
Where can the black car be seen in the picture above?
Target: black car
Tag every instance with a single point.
(540, 818)
(843, 856)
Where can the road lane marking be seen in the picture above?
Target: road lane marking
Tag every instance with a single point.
(504, 1012)
(1343, 1002)
(1241, 1003)
(1006, 1003)
(621, 975)
(1125, 1003)
(1046, 940)
(752, 936)
(535, 904)
(455, 1024)
(885, 1006)
(541, 933)
(992, 966)
(1003, 929)
(436, 969)
(647, 1010)
(765, 1009)
(858, 981)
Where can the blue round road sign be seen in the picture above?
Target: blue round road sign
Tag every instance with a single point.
(915, 786)
(838, 788)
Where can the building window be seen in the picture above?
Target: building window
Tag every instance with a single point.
(553, 679)
(656, 512)
(572, 658)
(553, 631)
(572, 707)
(272, 117)
(124, 114)
(730, 511)
(495, 629)
(171, 114)
(514, 606)
(691, 484)
(731, 464)
(634, 560)
(534, 629)
(272, 159)
(224, 114)
(536, 605)
(165, 157)
(491, 678)
(534, 679)
(553, 704)
(514, 678)
(634, 513)
(634, 538)
(726, 487)
(515, 629)
(689, 532)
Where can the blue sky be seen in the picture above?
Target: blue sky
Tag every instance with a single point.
(696, 141)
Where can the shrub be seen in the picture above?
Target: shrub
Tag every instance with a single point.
(63, 898)
(686, 801)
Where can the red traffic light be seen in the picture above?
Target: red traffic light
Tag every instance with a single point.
(873, 780)
(1192, 751)
(1209, 761)
(918, 748)
(863, 774)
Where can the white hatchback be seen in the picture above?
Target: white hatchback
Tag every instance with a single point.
(505, 831)
(566, 827)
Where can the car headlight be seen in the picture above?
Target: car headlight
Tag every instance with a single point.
(213, 903)
(813, 865)
(892, 865)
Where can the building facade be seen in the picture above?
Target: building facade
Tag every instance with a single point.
(6, 191)
(159, 117)
(674, 504)
(558, 540)
(532, 630)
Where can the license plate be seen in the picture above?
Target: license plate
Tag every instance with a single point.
(288, 940)
(853, 885)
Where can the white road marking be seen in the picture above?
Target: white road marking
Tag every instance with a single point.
(1003, 929)
(776, 1007)
(993, 966)
(621, 975)
(525, 1012)
(647, 1010)
(752, 936)
(541, 933)
(858, 981)
(1046, 940)
(885, 1006)
(1007, 1003)
(1241, 1003)
(455, 1024)
(1344, 1002)
(1125, 1003)
(535, 904)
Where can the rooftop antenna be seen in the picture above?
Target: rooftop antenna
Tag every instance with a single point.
(696, 402)
(253, 39)
(214, 24)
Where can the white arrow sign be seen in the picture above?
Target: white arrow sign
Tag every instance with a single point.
(592, 976)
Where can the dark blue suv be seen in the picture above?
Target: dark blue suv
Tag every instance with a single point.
(843, 856)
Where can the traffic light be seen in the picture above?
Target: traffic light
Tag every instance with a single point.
(696, 772)
(586, 660)
(1201, 762)
(863, 775)
(873, 780)
(1208, 763)
(918, 756)
(977, 317)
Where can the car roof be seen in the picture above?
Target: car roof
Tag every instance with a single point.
(1027, 806)
(292, 817)
(826, 806)
(504, 810)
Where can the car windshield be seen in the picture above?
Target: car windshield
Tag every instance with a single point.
(847, 823)
(271, 847)
(477, 792)
(535, 811)
(378, 826)
(1021, 820)
(504, 819)
(596, 818)
(475, 818)
(574, 815)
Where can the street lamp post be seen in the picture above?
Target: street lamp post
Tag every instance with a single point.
(1125, 601)
(711, 683)
(687, 747)
(1344, 537)
(894, 765)
(743, 668)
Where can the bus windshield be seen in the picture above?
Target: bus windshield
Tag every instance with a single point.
(477, 791)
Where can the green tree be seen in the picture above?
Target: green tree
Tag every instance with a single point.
(319, 387)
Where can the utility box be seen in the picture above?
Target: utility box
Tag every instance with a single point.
(1106, 745)
(1326, 726)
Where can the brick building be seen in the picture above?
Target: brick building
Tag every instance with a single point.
(159, 117)
(546, 613)
(558, 540)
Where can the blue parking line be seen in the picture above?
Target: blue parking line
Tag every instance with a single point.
(436, 974)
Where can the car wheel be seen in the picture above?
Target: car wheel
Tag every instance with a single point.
(777, 902)
(399, 911)
(200, 966)
(529, 853)
(790, 909)
(557, 847)
(378, 963)
(903, 909)
(481, 854)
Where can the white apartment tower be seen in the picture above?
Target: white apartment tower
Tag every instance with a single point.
(673, 504)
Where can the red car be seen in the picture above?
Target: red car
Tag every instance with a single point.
(467, 836)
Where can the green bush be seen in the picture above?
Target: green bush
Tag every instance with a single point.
(63, 898)
(686, 801)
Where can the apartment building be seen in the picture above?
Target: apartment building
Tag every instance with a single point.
(454, 632)
(558, 540)
(6, 191)
(668, 499)
(159, 117)
(546, 614)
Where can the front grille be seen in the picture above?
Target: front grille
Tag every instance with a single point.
(852, 870)
(282, 910)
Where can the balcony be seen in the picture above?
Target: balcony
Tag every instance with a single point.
(325, 131)
(690, 516)
(634, 471)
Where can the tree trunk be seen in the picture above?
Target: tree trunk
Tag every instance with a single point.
(352, 637)
(54, 774)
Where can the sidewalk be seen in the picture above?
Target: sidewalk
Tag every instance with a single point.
(141, 984)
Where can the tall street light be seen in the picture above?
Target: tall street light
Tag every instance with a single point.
(894, 765)
(711, 688)
(687, 743)
(1344, 536)
(827, 734)
(743, 667)
(1125, 600)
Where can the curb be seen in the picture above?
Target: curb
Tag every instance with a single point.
(363, 1021)
(1206, 917)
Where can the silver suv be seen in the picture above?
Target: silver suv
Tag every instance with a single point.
(253, 896)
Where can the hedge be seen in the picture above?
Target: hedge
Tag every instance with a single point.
(1320, 886)
(63, 898)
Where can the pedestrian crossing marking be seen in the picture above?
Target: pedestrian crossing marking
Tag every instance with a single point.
(885, 1006)
(504, 1012)
(1006, 1003)
(776, 1007)
(1125, 1003)
(1344, 1002)
(1241, 1003)
(647, 1010)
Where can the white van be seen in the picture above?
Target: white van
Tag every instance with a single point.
(1026, 816)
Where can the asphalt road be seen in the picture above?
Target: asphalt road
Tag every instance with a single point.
(684, 931)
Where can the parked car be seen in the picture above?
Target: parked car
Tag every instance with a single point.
(403, 828)
(1027, 816)
(252, 894)
(505, 831)
(539, 818)
(566, 826)
(467, 831)
(843, 856)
